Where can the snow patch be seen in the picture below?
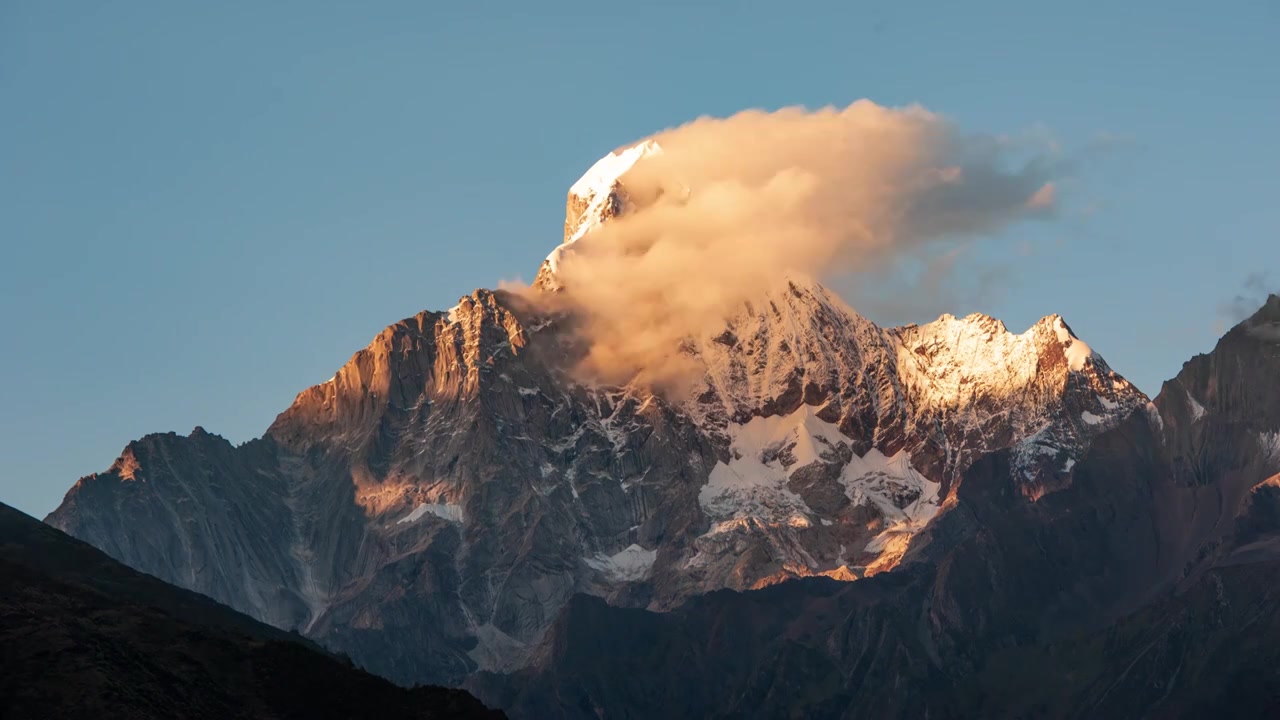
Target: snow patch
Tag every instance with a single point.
(452, 513)
(1075, 350)
(600, 178)
(596, 186)
(1197, 410)
(765, 451)
(1153, 416)
(1090, 418)
(1270, 445)
(905, 498)
(629, 565)
(754, 481)
(553, 259)
(808, 436)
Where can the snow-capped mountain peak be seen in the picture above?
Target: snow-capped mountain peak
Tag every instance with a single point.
(601, 178)
(460, 448)
(597, 196)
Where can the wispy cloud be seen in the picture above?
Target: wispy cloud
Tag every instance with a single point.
(1253, 295)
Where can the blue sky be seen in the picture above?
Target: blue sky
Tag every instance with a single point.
(205, 208)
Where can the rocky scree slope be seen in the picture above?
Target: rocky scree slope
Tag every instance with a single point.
(432, 508)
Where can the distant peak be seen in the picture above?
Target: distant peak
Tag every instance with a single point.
(126, 466)
(1265, 323)
(1271, 307)
(1077, 352)
(986, 320)
(1058, 322)
(1058, 326)
(802, 281)
(1050, 331)
(976, 319)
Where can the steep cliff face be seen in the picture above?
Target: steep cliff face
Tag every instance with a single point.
(432, 508)
(199, 513)
(1224, 406)
(490, 488)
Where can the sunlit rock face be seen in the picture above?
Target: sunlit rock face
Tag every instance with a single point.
(433, 507)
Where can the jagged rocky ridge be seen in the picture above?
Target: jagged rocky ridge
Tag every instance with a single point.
(432, 508)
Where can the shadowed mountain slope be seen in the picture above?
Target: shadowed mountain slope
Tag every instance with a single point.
(83, 636)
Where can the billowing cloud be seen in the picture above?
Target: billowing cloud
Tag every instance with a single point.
(732, 206)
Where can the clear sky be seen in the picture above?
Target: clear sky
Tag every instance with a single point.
(207, 207)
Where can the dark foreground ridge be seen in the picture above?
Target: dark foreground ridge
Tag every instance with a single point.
(83, 636)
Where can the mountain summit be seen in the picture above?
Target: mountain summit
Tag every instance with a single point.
(595, 198)
(432, 508)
